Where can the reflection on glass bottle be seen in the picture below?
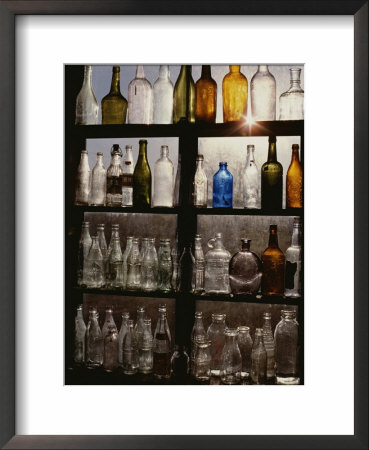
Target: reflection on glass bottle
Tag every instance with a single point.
(114, 234)
(216, 335)
(142, 179)
(234, 95)
(245, 345)
(98, 182)
(134, 267)
(83, 180)
(186, 264)
(164, 266)
(198, 274)
(93, 273)
(175, 264)
(286, 350)
(206, 97)
(258, 359)
(184, 96)
(111, 347)
(163, 309)
(269, 344)
(130, 351)
(216, 267)
(162, 348)
(139, 328)
(163, 97)
(231, 358)
(114, 105)
(294, 180)
(271, 179)
(291, 102)
(245, 270)
(163, 180)
(145, 349)
(87, 107)
(149, 268)
(177, 182)
(180, 362)
(223, 187)
(122, 332)
(202, 363)
(114, 179)
(79, 337)
(125, 258)
(103, 247)
(293, 262)
(251, 192)
(263, 97)
(127, 181)
(200, 184)
(140, 98)
(198, 334)
(84, 246)
(116, 265)
(273, 260)
(94, 342)
(108, 322)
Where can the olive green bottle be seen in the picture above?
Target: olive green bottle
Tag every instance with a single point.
(114, 105)
(184, 97)
(142, 179)
(271, 179)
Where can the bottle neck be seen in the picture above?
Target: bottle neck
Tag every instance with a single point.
(143, 151)
(116, 244)
(87, 80)
(79, 314)
(234, 69)
(115, 159)
(267, 325)
(295, 155)
(99, 160)
(115, 82)
(230, 339)
(258, 340)
(84, 158)
(95, 243)
(164, 152)
(223, 166)
(162, 323)
(199, 164)
(164, 72)
(250, 155)
(86, 232)
(263, 68)
(140, 73)
(272, 152)
(273, 238)
(109, 316)
(296, 236)
(205, 72)
(140, 316)
(245, 246)
(295, 78)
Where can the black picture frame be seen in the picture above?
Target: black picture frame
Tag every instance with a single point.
(8, 11)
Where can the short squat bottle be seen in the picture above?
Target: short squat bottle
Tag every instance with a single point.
(245, 271)
(273, 261)
(164, 266)
(258, 359)
(291, 102)
(111, 348)
(251, 189)
(162, 348)
(122, 332)
(94, 270)
(216, 335)
(294, 180)
(235, 93)
(294, 262)
(149, 268)
(272, 179)
(84, 246)
(127, 178)
(269, 344)
(231, 358)
(217, 267)
(223, 187)
(134, 267)
(98, 182)
(198, 271)
(245, 345)
(206, 97)
(83, 180)
(87, 107)
(202, 361)
(140, 98)
(200, 184)
(130, 351)
(263, 96)
(145, 349)
(163, 180)
(79, 337)
(114, 105)
(198, 334)
(286, 348)
(163, 97)
(114, 179)
(142, 178)
(184, 97)
(94, 342)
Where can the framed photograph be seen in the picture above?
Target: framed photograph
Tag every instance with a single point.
(181, 251)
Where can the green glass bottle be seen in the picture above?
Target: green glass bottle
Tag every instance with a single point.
(114, 105)
(142, 179)
(271, 179)
(184, 97)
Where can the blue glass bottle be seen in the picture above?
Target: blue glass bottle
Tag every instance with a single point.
(222, 187)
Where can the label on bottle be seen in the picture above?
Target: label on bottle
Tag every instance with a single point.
(290, 274)
(127, 180)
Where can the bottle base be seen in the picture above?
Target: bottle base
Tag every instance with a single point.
(215, 372)
(287, 380)
(161, 377)
(230, 379)
(129, 372)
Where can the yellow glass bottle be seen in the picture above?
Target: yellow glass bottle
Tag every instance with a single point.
(206, 97)
(294, 180)
(273, 259)
(235, 89)
(114, 105)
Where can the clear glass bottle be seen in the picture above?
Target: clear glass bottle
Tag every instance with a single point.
(94, 342)
(231, 359)
(83, 180)
(139, 328)
(114, 105)
(177, 182)
(116, 265)
(294, 180)
(149, 268)
(142, 178)
(163, 97)
(245, 271)
(140, 99)
(217, 267)
(122, 332)
(294, 262)
(258, 359)
(202, 364)
(127, 179)
(162, 348)
(175, 264)
(93, 274)
(125, 257)
(103, 247)
(79, 337)
(273, 259)
(108, 322)
(269, 345)
(186, 264)
(180, 362)
(199, 266)
(263, 96)
(144, 246)
(130, 351)
(134, 267)
(114, 179)
(114, 234)
(198, 334)
(163, 180)
(291, 102)
(200, 184)
(216, 335)
(87, 107)
(251, 189)
(163, 308)
(98, 182)
(206, 97)
(223, 187)
(164, 266)
(84, 246)
(272, 179)
(235, 89)
(184, 97)
(145, 349)
(286, 348)
(245, 345)
(111, 348)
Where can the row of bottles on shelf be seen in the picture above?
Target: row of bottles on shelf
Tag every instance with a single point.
(228, 353)
(216, 272)
(130, 186)
(187, 101)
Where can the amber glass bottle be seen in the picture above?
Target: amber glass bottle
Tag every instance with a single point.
(206, 97)
(273, 261)
(114, 105)
(272, 179)
(142, 179)
(235, 88)
(294, 181)
(184, 97)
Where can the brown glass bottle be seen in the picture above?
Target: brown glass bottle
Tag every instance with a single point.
(235, 89)
(273, 259)
(206, 97)
(114, 105)
(294, 181)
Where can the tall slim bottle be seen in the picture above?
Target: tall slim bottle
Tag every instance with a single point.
(114, 105)
(82, 191)
(94, 270)
(142, 178)
(206, 97)
(235, 89)
(271, 179)
(149, 268)
(294, 180)
(272, 282)
(94, 342)
(258, 359)
(114, 180)
(199, 266)
(98, 182)
(127, 179)
(162, 348)
(198, 334)
(263, 97)
(84, 246)
(140, 98)
(134, 267)
(184, 96)
(108, 322)
(200, 184)
(103, 246)
(163, 180)
(293, 262)
(163, 97)
(251, 190)
(116, 279)
(87, 107)
(269, 344)
(79, 337)
(122, 332)
(125, 257)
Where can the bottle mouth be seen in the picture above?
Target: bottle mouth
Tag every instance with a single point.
(243, 329)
